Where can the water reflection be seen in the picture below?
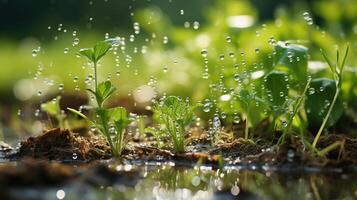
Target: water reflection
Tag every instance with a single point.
(170, 182)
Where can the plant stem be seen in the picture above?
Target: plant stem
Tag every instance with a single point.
(246, 129)
(296, 109)
(326, 117)
(95, 77)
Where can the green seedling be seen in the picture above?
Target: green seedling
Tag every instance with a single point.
(248, 102)
(176, 115)
(296, 108)
(158, 135)
(53, 109)
(141, 126)
(337, 70)
(108, 121)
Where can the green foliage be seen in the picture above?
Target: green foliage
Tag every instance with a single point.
(176, 114)
(103, 92)
(276, 90)
(337, 70)
(291, 58)
(109, 121)
(321, 94)
(53, 109)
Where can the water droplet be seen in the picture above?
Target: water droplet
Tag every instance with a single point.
(221, 57)
(61, 87)
(235, 190)
(284, 123)
(75, 41)
(207, 106)
(196, 25)
(75, 79)
(136, 28)
(165, 40)
(182, 12)
(236, 118)
(256, 50)
(290, 155)
(165, 69)
(228, 39)
(74, 156)
(60, 194)
(65, 51)
(204, 53)
(34, 52)
(196, 181)
(311, 91)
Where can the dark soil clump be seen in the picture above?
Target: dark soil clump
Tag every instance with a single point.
(238, 148)
(63, 145)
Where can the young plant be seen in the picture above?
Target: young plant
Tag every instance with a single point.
(337, 70)
(176, 115)
(296, 107)
(108, 121)
(53, 109)
(248, 102)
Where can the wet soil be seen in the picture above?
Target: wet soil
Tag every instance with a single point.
(63, 145)
(48, 161)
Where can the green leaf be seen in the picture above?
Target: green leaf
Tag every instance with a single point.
(245, 96)
(118, 113)
(87, 53)
(52, 107)
(319, 100)
(80, 114)
(105, 89)
(97, 52)
(100, 49)
(276, 89)
(292, 58)
(332, 67)
(120, 118)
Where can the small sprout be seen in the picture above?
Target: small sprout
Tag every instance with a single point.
(176, 115)
(337, 70)
(111, 121)
(296, 107)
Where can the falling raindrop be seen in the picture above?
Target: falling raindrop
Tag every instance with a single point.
(74, 156)
(75, 42)
(196, 25)
(228, 39)
(34, 52)
(65, 51)
(204, 53)
(311, 91)
(165, 40)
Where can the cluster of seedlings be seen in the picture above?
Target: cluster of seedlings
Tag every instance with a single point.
(289, 104)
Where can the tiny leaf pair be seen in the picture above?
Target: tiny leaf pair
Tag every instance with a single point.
(97, 52)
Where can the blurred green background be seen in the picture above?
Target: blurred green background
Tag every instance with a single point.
(39, 40)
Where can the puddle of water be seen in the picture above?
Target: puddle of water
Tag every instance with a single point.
(166, 181)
